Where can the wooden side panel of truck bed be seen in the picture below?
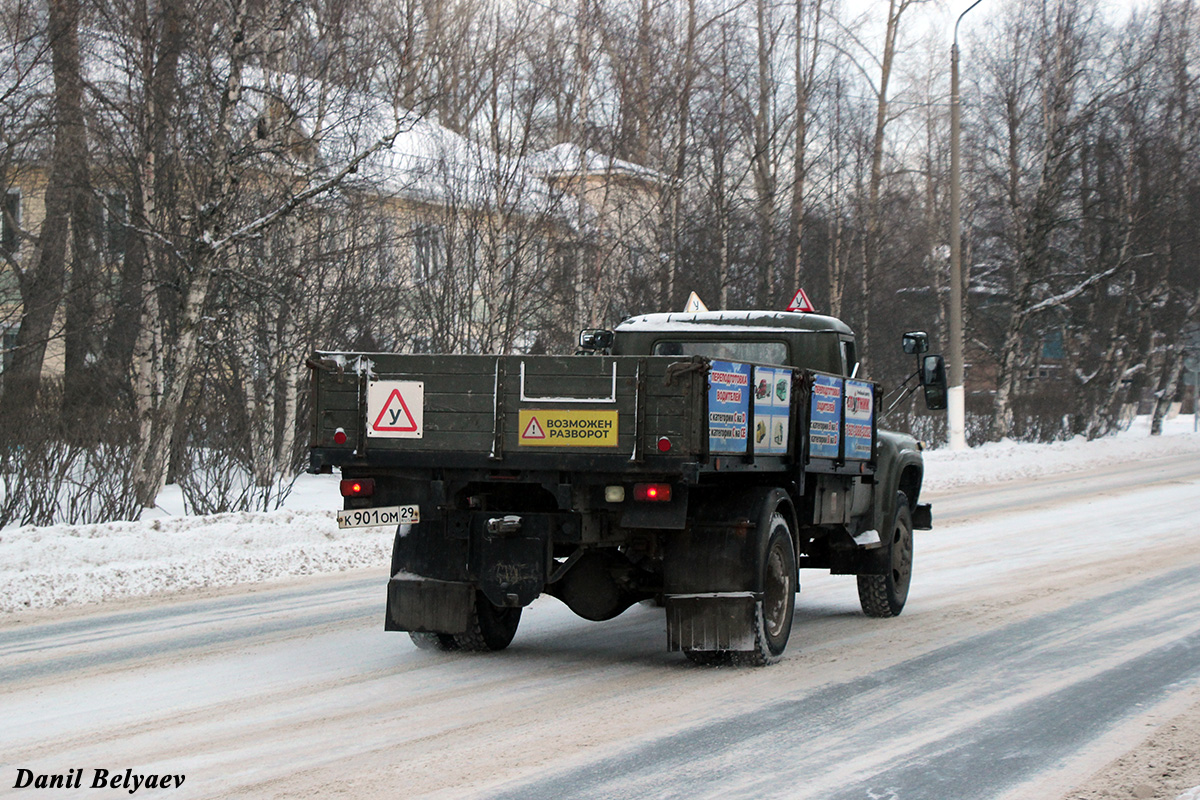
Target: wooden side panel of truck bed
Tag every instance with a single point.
(501, 407)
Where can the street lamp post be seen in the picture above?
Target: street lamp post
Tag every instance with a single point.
(956, 396)
(1191, 363)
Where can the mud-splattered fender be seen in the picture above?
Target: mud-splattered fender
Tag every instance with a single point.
(899, 468)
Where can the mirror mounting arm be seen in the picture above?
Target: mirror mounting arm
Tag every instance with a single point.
(905, 391)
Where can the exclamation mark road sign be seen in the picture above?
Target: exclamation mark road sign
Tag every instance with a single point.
(533, 430)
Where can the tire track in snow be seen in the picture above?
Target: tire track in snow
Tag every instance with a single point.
(1123, 651)
(971, 502)
(46, 650)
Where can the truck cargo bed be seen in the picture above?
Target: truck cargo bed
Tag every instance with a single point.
(605, 413)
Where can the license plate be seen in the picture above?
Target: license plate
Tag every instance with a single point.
(384, 515)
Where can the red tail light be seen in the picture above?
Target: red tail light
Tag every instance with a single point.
(363, 487)
(652, 492)
(339, 436)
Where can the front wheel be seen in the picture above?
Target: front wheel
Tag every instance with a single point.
(885, 595)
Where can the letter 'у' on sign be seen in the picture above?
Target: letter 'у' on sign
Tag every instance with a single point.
(565, 427)
(396, 409)
(800, 302)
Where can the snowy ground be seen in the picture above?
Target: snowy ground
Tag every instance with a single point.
(166, 551)
(1009, 460)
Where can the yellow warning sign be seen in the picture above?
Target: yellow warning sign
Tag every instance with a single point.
(561, 427)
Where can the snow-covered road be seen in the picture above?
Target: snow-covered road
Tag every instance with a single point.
(1050, 622)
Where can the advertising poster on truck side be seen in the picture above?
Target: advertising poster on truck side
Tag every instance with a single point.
(728, 407)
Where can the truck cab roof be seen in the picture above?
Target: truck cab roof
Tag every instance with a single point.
(723, 321)
(789, 338)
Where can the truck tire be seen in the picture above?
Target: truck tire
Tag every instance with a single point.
(884, 595)
(489, 628)
(773, 618)
(775, 610)
(432, 641)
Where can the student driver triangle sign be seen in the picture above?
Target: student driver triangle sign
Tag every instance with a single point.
(801, 303)
(396, 409)
(395, 416)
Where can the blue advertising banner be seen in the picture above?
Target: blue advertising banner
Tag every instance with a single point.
(728, 406)
(825, 417)
(772, 406)
(860, 419)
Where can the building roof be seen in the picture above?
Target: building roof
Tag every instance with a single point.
(426, 162)
(570, 160)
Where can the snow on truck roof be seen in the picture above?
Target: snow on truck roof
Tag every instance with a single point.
(724, 321)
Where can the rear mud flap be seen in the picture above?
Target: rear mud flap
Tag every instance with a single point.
(709, 622)
(427, 605)
(512, 569)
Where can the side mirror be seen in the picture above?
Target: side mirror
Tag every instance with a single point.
(916, 342)
(593, 339)
(933, 381)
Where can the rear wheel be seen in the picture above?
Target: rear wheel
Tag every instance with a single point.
(433, 641)
(773, 613)
(489, 628)
(885, 595)
(773, 618)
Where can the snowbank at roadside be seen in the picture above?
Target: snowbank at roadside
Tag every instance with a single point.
(1009, 460)
(76, 564)
(169, 552)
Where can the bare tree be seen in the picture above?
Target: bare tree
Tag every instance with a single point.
(1038, 85)
(42, 282)
(234, 147)
(25, 124)
(765, 152)
(872, 223)
(808, 18)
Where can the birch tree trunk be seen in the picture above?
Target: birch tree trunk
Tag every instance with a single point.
(674, 193)
(1165, 396)
(160, 81)
(805, 76)
(1171, 375)
(160, 418)
(874, 211)
(763, 161)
